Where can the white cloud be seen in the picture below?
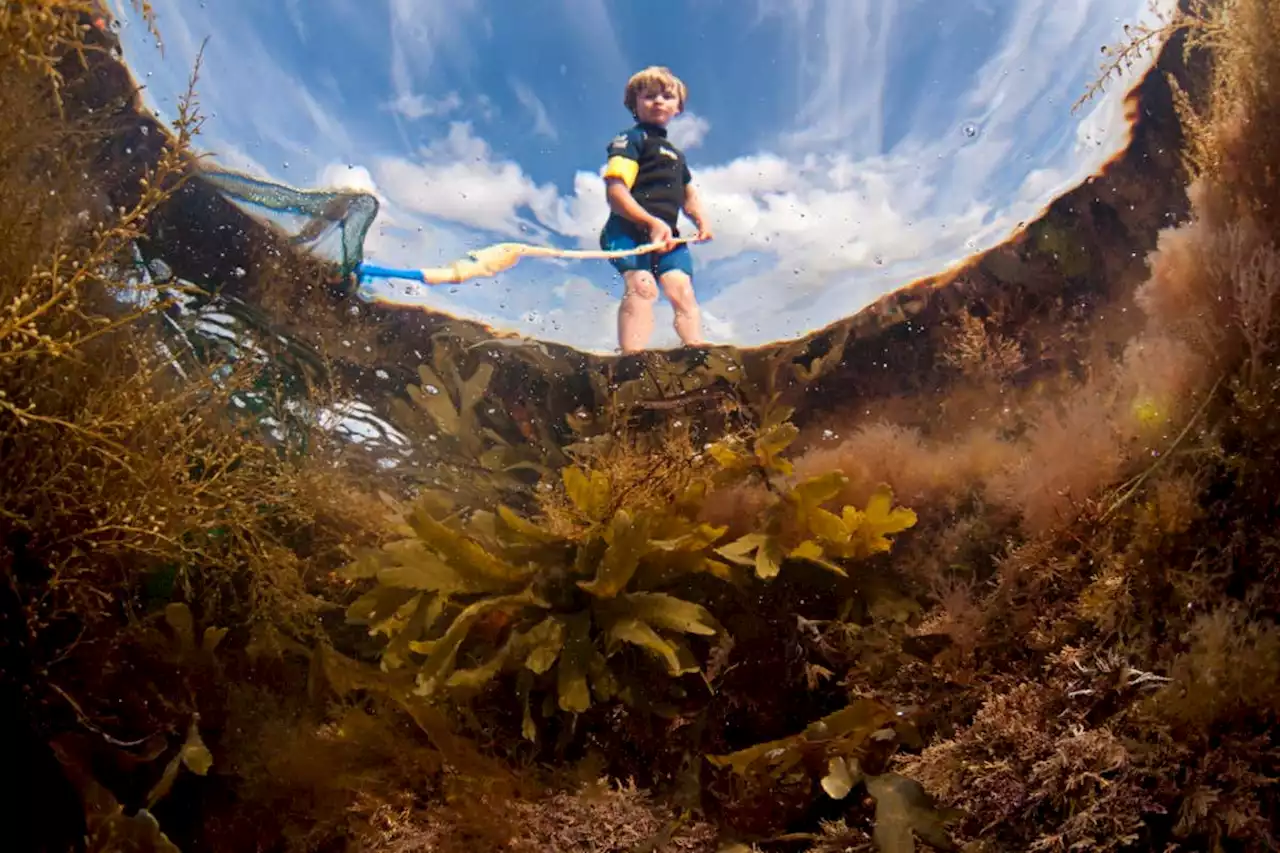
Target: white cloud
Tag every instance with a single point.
(485, 107)
(591, 22)
(422, 33)
(687, 130)
(296, 18)
(458, 180)
(347, 177)
(842, 48)
(414, 106)
(537, 110)
(581, 214)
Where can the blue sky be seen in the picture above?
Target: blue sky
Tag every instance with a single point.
(844, 147)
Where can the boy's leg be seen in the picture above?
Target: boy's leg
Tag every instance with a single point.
(635, 315)
(678, 287)
(676, 276)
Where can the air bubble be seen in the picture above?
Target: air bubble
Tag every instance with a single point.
(970, 130)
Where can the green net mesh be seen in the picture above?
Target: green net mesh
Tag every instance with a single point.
(310, 217)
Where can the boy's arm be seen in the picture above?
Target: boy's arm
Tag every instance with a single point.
(693, 209)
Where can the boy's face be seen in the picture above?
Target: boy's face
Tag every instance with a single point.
(657, 105)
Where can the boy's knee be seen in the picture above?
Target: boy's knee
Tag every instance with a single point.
(679, 289)
(642, 285)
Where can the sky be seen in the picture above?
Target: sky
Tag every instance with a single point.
(844, 148)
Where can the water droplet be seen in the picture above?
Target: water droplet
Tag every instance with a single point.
(971, 130)
(431, 389)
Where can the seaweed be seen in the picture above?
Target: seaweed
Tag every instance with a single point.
(594, 575)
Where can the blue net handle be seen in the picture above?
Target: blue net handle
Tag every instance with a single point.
(367, 271)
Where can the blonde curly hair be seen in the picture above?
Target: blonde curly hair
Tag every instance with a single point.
(653, 77)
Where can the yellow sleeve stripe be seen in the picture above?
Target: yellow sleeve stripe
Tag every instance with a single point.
(623, 168)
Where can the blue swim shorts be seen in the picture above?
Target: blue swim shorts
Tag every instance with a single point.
(615, 236)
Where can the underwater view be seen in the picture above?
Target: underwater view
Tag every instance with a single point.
(640, 427)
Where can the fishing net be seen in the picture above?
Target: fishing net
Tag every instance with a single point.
(312, 218)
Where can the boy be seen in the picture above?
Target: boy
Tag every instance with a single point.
(647, 183)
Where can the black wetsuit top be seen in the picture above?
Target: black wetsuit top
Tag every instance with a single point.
(660, 173)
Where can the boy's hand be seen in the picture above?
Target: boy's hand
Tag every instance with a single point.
(659, 232)
(704, 232)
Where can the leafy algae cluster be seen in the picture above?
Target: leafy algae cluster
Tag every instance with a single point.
(559, 597)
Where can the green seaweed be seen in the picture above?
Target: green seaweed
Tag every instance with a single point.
(466, 596)
(568, 600)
